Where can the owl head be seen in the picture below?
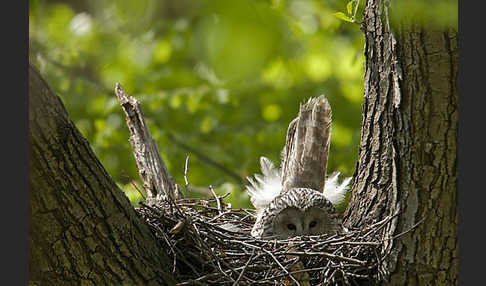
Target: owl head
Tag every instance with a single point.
(298, 211)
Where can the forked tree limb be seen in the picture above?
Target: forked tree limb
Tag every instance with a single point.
(82, 228)
(307, 146)
(157, 181)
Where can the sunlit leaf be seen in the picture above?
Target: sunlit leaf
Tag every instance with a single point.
(349, 7)
(318, 66)
(162, 52)
(223, 77)
(342, 16)
(206, 125)
(272, 112)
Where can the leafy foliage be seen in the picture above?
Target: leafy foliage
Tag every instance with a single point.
(218, 80)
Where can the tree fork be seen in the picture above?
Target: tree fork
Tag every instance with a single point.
(82, 230)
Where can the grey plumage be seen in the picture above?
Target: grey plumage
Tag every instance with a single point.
(299, 211)
(299, 200)
(304, 159)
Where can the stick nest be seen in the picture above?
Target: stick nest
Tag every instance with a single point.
(210, 244)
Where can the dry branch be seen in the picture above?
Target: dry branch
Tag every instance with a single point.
(157, 181)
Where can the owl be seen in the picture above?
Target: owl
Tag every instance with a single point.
(297, 211)
(299, 200)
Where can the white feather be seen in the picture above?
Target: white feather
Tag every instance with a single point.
(264, 188)
(333, 191)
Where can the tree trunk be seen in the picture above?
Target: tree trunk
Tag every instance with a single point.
(408, 151)
(82, 230)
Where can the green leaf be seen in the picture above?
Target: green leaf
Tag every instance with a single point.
(343, 17)
(349, 7)
(244, 98)
(272, 112)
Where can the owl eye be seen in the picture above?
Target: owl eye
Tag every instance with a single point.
(291, 226)
(312, 224)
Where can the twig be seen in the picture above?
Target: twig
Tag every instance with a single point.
(185, 175)
(408, 230)
(338, 257)
(244, 268)
(294, 272)
(138, 190)
(219, 215)
(280, 265)
(220, 210)
(206, 159)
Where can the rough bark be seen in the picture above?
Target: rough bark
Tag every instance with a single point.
(82, 230)
(157, 181)
(408, 150)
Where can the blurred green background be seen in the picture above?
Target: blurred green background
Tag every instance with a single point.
(218, 80)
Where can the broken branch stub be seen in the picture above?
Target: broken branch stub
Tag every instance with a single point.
(157, 181)
(307, 146)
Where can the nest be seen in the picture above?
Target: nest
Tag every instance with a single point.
(210, 244)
